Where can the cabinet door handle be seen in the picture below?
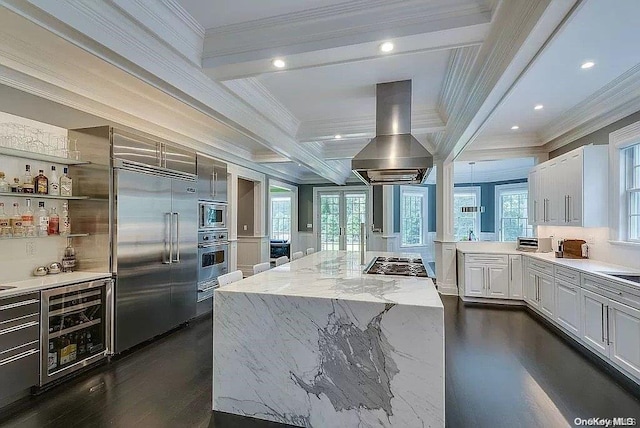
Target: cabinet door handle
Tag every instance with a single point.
(602, 321)
(608, 337)
(535, 211)
(568, 208)
(511, 271)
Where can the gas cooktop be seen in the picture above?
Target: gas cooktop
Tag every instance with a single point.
(403, 266)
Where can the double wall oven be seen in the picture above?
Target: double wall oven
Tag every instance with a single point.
(213, 257)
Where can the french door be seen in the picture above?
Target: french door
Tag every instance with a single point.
(339, 216)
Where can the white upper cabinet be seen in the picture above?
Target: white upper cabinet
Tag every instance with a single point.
(559, 188)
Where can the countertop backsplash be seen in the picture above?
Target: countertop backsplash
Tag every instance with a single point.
(18, 257)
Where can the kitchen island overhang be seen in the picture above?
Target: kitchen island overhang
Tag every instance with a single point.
(318, 343)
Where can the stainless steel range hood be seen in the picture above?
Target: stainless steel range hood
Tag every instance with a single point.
(394, 156)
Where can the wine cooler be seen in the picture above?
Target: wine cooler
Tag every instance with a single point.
(75, 327)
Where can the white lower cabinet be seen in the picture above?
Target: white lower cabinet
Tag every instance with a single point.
(497, 276)
(531, 288)
(546, 295)
(568, 306)
(515, 277)
(624, 336)
(612, 329)
(474, 280)
(497, 281)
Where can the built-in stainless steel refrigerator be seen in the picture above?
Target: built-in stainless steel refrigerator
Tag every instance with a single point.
(150, 239)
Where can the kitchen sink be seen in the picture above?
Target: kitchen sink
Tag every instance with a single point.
(3, 287)
(633, 277)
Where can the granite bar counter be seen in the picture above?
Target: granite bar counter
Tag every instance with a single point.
(318, 343)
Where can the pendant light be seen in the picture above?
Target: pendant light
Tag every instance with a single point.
(476, 208)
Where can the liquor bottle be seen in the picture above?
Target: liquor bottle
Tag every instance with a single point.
(89, 342)
(42, 183)
(54, 182)
(66, 184)
(27, 180)
(82, 345)
(69, 262)
(5, 225)
(27, 220)
(42, 220)
(65, 225)
(16, 187)
(16, 221)
(54, 222)
(52, 359)
(4, 186)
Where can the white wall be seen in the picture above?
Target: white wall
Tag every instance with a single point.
(18, 257)
(598, 240)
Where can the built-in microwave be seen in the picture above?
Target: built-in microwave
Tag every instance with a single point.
(212, 216)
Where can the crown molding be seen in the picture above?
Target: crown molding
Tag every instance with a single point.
(614, 101)
(105, 31)
(518, 33)
(540, 153)
(458, 71)
(255, 93)
(186, 36)
(423, 121)
(336, 25)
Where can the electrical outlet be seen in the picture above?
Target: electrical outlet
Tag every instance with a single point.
(244, 227)
(591, 240)
(31, 248)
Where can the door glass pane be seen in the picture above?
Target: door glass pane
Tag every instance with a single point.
(356, 212)
(329, 222)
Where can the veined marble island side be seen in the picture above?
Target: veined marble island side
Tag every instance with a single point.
(318, 343)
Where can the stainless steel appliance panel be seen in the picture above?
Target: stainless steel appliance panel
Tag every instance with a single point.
(185, 253)
(143, 256)
(136, 149)
(212, 179)
(178, 159)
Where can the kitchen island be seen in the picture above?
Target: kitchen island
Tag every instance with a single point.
(318, 343)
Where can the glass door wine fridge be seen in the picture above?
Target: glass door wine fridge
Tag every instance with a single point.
(75, 327)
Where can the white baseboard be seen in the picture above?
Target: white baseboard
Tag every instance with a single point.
(448, 291)
(507, 302)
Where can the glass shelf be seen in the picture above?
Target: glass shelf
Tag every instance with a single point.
(71, 235)
(82, 326)
(40, 156)
(38, 196)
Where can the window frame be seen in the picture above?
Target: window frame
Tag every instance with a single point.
(508, 188)
(619, 204)
(278, 198)
(629, 167)
(478, 222)
(423, 192)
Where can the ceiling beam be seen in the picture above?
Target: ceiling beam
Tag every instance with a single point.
(345, 24)
(519, 31)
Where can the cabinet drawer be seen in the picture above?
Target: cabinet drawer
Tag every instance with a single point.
(608, 289)
(542, 267)
(19, 332)
(19, 371)
(567, 275)
(19, 306)
(499, 259)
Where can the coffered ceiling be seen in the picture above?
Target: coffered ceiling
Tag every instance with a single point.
(477, 66)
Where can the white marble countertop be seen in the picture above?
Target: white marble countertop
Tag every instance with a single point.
(487, 247)
(339, 275)
(38, 283)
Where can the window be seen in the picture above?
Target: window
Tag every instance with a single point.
(464, 223)
(413, 215)
(281, 218)
(631, 156)
(511, 212)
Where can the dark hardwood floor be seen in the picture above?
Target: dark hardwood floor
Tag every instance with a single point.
(503, 369)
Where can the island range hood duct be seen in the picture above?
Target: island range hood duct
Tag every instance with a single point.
(393, 156)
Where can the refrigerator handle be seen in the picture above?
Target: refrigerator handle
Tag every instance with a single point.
(177, 259)
(169, 260)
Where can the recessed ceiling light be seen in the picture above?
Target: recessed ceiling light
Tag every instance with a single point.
(337, 136)
(386, 47)
(538, 107)
(514, 127)
(587, 65)
(279, 63)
